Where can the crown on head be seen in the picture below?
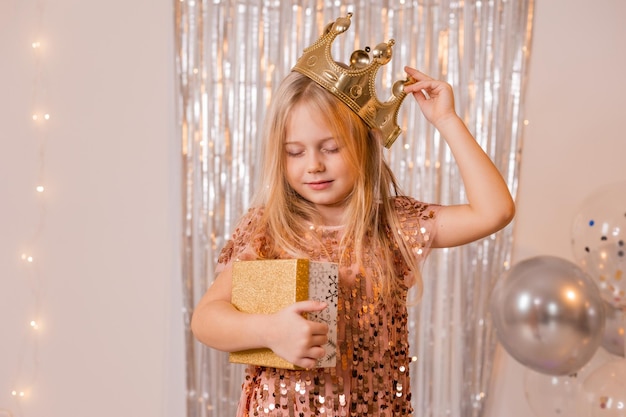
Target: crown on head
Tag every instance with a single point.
(355, 84)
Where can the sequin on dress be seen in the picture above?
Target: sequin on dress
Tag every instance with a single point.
(372, 373)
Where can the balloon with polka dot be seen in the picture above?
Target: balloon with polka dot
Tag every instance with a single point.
(599, 241)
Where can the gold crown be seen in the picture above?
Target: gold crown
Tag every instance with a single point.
(355, 84)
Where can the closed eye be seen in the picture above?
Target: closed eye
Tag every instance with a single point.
(330, 150)
(328, 147)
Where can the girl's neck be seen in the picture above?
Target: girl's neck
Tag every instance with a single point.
(330, 217)
(326, 226)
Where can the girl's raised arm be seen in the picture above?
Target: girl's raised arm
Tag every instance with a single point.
(490, 206)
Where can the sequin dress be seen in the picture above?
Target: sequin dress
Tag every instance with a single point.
(371, 377)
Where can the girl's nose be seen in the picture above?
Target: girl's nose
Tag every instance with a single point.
(315, 164)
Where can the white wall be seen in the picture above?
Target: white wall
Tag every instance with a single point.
(574, 143)
(110, 340)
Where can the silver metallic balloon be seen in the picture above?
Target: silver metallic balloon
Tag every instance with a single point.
(548, 315)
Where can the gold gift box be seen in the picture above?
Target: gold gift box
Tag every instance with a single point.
(267, 286)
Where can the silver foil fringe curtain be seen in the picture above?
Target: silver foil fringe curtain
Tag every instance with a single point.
(230, 56)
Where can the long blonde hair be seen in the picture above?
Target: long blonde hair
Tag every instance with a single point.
(370, 217)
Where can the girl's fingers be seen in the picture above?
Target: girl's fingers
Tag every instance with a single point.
(309, 306)
(423, 89)
(420, 87)
(416, 74)
(319, 340)
(413, 71)
(318, 352)
(315, 353)
(424, 85)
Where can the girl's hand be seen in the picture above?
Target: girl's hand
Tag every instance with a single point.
(489, 205)
(296, 339)
(435, 98)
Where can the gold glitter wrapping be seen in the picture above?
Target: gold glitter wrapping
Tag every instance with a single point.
(265, 287)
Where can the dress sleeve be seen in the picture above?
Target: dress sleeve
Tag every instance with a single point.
(418, 222)
(241, 245)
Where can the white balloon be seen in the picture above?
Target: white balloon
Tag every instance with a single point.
(551, 395)
(603, 392)
(599, 241)
(614, 330)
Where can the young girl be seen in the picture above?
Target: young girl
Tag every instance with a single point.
(329, 195)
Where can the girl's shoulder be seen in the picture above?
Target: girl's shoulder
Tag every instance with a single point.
(248, 230)
(417, 222)
(250, 219)
(409, 207)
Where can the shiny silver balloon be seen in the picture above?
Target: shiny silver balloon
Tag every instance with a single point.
(548, 315)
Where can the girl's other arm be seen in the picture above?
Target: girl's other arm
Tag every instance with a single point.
(490, 206)
(218, 324)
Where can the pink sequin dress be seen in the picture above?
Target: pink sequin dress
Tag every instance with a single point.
(372, 373)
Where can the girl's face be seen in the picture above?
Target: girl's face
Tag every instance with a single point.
(315, 165)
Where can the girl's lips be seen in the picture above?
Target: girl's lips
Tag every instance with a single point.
(320, 185)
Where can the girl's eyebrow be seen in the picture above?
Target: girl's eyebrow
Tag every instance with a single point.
(289, 142)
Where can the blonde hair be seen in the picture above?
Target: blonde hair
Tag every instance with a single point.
(370, 217)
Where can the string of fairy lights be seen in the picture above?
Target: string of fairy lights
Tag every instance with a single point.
(24, 378)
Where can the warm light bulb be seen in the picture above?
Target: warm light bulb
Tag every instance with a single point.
(27, 258)
(37, 118)
(36, 44)
(34, 324)
(40, 188)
